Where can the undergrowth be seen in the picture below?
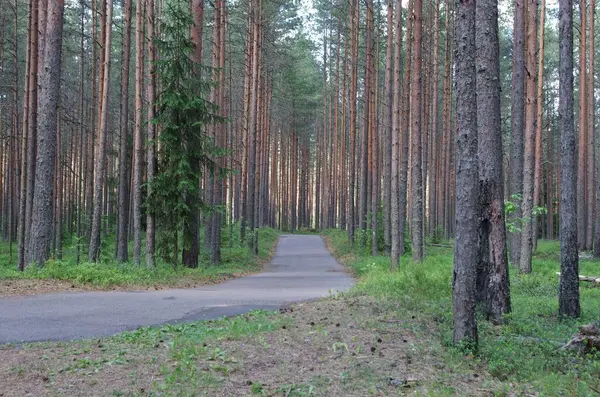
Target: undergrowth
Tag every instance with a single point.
(526, 349)
(236, 260)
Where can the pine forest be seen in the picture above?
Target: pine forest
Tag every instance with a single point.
(447, 153)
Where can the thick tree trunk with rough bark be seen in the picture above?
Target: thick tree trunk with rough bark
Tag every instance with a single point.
(466, 249)
(569, 258)
(41, 222)
(492, 272)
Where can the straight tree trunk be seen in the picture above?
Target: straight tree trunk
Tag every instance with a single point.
(138, 152)
(151, 156)
(569, 257)
(417, 212)
(537, 184)
(25, 142)
(529, 148)
(81, 183)
(492, 269)
(405, 131)
(596, 158)
(396, 243)
(58, 213)
(550, 180)
(518, 123)
(581, 166)
(354, 18)
(99, 176)
(191, 229)
(32, 133)
(447, 138)
(373, 132)
(466, 249)
(252, 127)
(215, 253)
(41, 223)
(365, 146)
(124, 166)
(591, 131)
(435, 157)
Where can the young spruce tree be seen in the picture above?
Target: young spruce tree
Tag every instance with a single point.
(181, 117)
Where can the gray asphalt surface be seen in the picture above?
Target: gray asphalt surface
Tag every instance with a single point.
(301, 269)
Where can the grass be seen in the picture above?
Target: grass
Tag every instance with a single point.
(390, 335)
(147, 361)
(525, 350)
(108, 274)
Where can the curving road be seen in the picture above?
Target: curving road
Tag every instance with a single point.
(301, 269)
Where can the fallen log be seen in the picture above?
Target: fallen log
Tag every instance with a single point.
(586, 340)
(591, 279)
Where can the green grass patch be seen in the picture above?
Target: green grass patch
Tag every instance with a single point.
(236, 260)
(189, 342)
(523, 351)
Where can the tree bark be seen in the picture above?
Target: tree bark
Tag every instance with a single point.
(189, 256)
(354, 18)
(538, 184)
(41, 223)
(417, 212)
(569, 258)
(151, 131)
(529, 149)
(94, 249)
(138, 152)
(581, 166)
(466, 249)
(396, 243)
(405, 131)
(435, 149)
(591, 131)
(124, 159)
(25, 142)
(518, 123)
(492, 269)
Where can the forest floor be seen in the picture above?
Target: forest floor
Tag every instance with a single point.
(390, 335)
(67, 276)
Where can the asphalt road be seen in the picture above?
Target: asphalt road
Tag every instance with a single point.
(301, 269)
